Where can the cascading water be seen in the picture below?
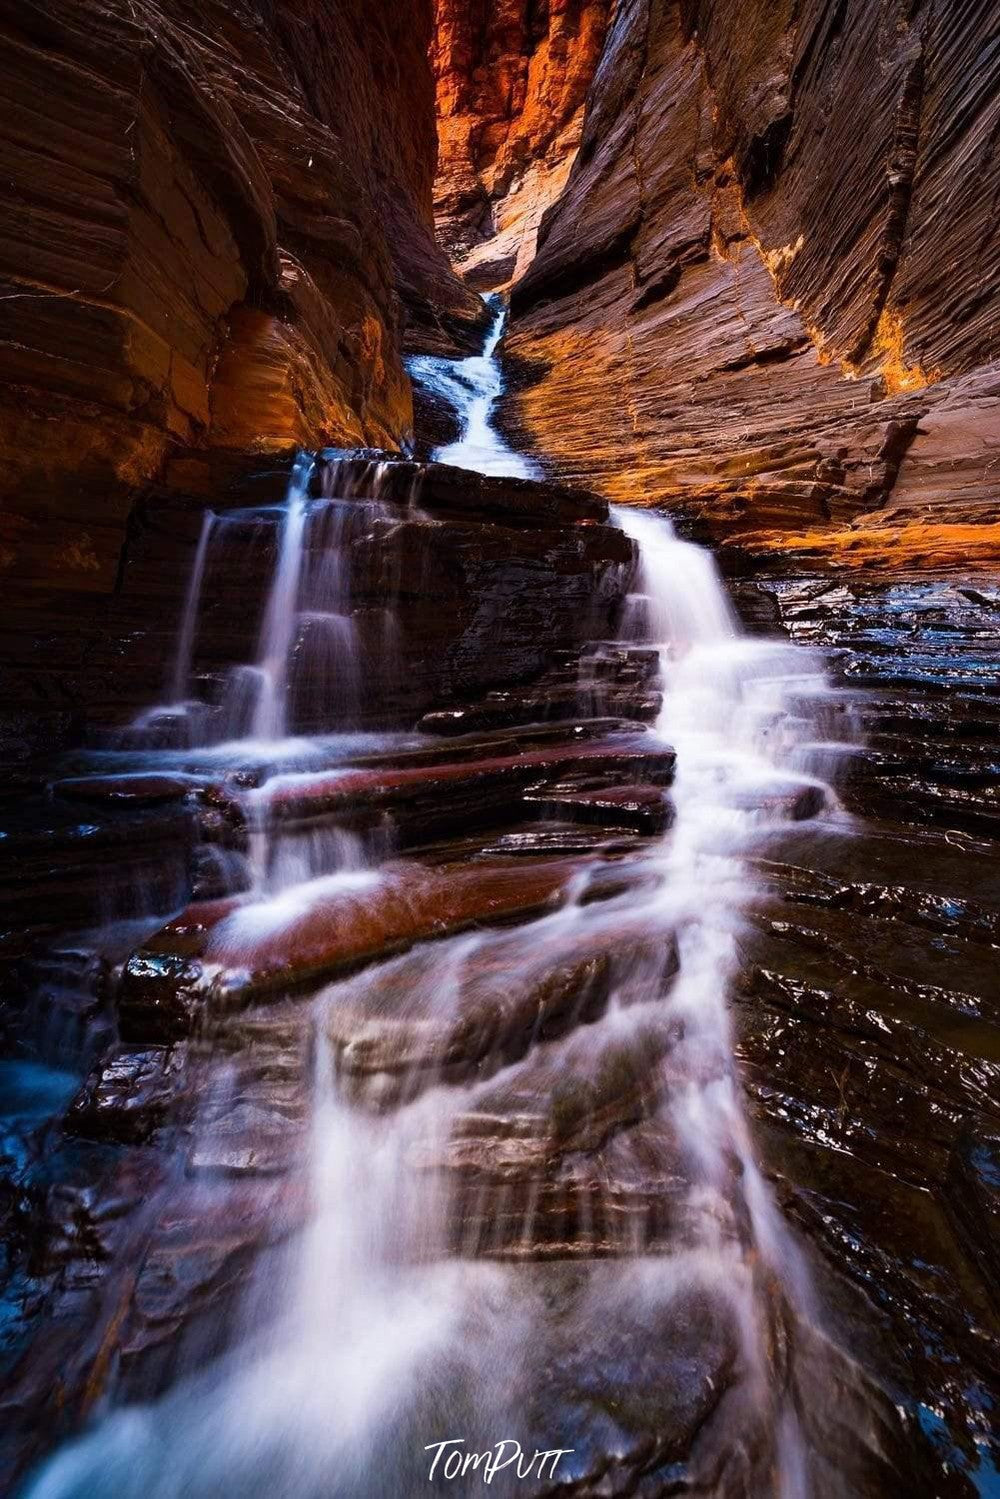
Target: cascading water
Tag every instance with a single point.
(728, 711)
(400, 1303)
(181, 679)
(472, 388)
(399, 1316)
(280, 617)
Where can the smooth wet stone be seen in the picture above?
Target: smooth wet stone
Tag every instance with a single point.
(616, 680)
(129, 1095)
(431, 799)
(442, 489)
(140, 789)
(501, 1006)
(247, 1140)
(643, 809)
(225, 954)
(553, 838)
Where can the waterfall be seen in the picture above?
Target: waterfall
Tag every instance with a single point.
(277, 632)
(472, 387)
(181, 679)
(402, 1318)
(728, 713)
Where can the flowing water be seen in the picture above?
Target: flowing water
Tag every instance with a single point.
(416, 1307)
(471, 387)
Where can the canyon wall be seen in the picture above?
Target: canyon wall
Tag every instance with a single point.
(219, 233)
(512, 79)
(766, 296)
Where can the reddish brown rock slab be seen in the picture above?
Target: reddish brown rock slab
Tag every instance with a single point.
(643, 809)
(470, 786)
(390, 1026)
(226, 953)
(126, 790)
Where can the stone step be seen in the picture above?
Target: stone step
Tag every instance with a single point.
(640, 808)
(226, 954)
(440, 489)
(470, 788)
(393, 1037)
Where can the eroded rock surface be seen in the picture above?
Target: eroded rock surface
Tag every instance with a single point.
(765, 295)
(511, 83)
(864, 1017)
(220, 229)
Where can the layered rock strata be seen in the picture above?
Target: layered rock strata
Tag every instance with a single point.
(511, 83)
(219, 233)
(765, 295)
(864, 1016)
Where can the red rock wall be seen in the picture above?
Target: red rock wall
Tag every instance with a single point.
(512, 78)
(768, 294)
(219, 224)
(213, 210)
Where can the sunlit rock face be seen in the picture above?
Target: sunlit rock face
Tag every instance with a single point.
(220, 231)
(512, 79)
(764, 296)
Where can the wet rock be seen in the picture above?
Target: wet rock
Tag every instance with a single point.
(644, 809)
(225, 954)
(246, 1140)
(483, 552)
(244, 242)
(621, 684)
(55, 865)
(129, 1095)
(386, 1022)
(972, 1196)
(428, 801)
(444, 491)
(144, 790)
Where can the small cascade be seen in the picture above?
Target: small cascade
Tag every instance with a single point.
(311, 670)
(277, 633)
(181, 679)
(732, 709)
(471, 387)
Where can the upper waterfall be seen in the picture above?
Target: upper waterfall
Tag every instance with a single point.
(472, 387)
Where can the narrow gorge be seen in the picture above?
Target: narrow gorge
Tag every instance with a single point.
(499, 834)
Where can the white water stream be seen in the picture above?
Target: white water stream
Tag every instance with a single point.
(388, 1335)
(472, 387)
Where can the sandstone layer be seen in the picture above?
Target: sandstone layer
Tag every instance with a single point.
(219, 232)
(511, 79)
(766, 295)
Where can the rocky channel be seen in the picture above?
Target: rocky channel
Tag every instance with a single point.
(499, 864)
